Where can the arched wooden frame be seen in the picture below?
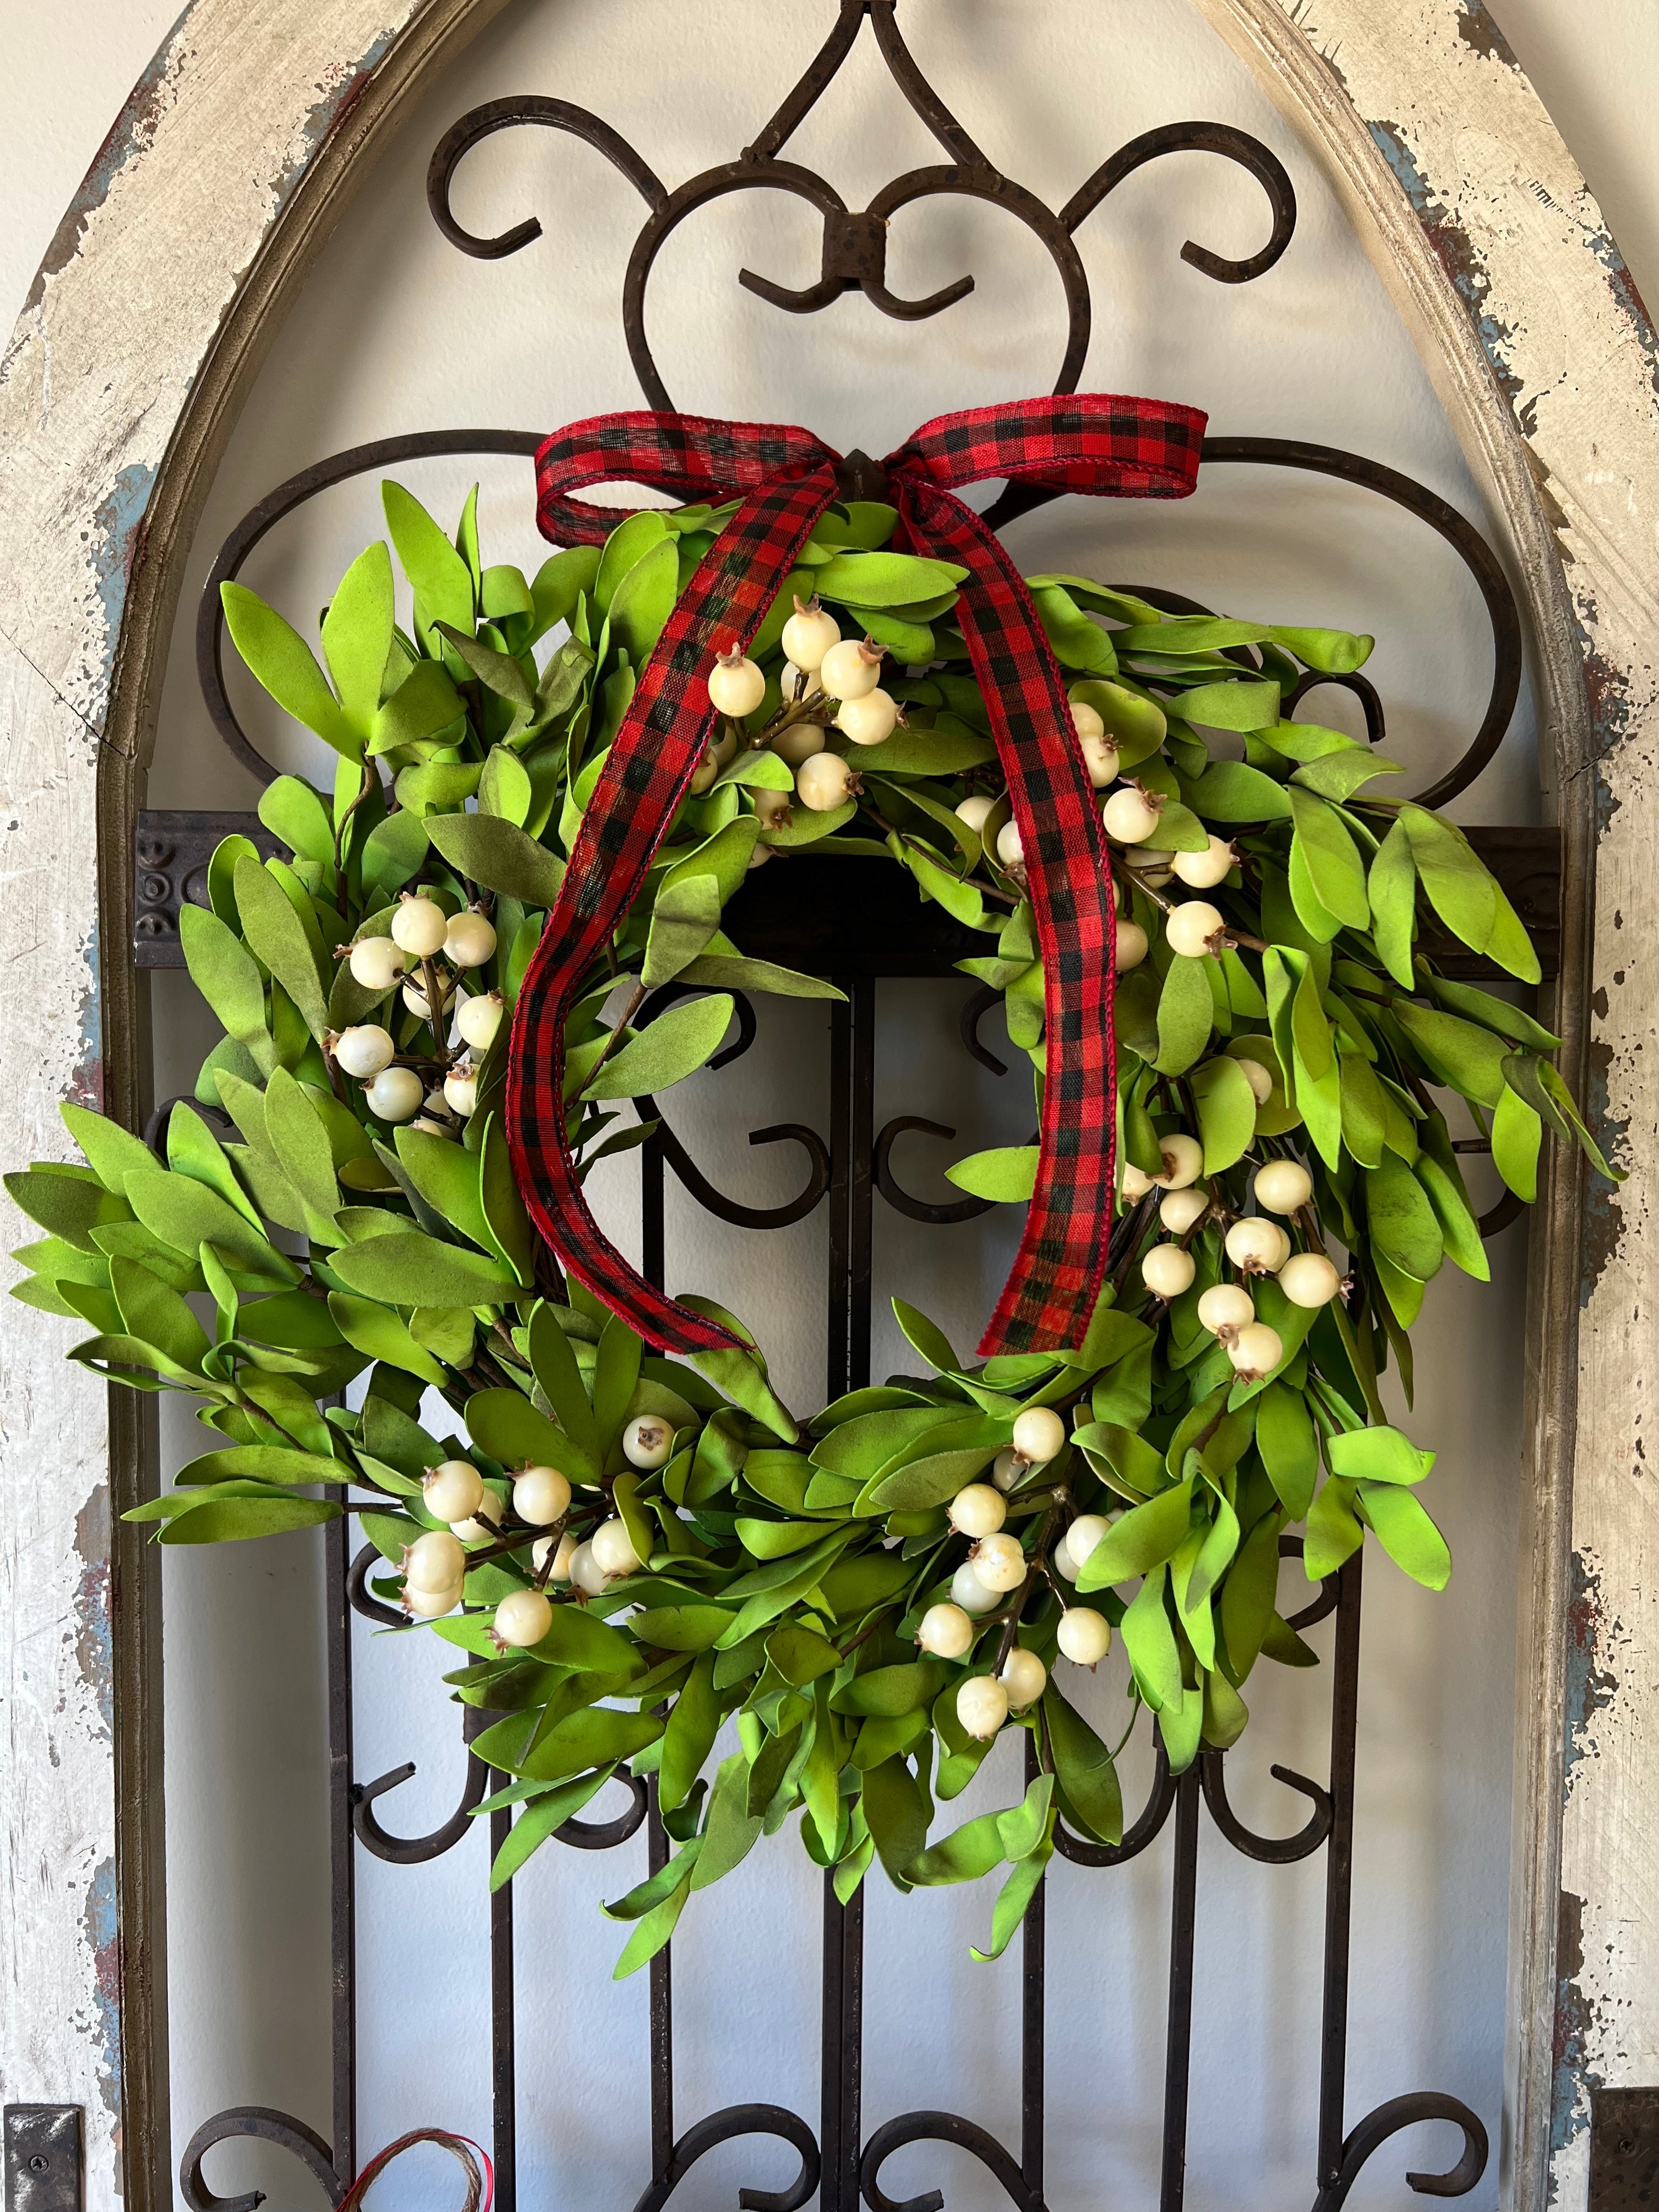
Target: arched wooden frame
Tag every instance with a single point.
(230, 163)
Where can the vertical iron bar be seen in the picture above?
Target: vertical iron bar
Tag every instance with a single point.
(1034, 1983)
(1339, 1875)
(503, 2084)
(662, 2009)
(852, 1118)
(653, 1259)
(342, 1859)
(1178, 2059)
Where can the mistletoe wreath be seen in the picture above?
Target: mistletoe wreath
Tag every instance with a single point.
(1203, 926)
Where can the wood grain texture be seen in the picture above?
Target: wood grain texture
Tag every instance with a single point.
(234, 157)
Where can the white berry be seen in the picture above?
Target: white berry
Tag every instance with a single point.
(394, 1095)
(868, 720)
(978, 1511)
(1010, 848)
(976, 811)
(1081, 1538)
(586, 1573)
(824, 780)
(613, 1548)
(1282, 1185)
(1061, 1561)
(563, 1549)
(981, 1706)
(461, 1089)
(773, 808)
(1188, 928)
(478, 1019)
(649, 1441)
(1086, 720)
(522, 1618)
(364, 1052)
(1137, 1183)
(469, 939)
(453, 1490)
(429, 1127)
(377, 963)
(1100, 757)
(1257, 1246)
(1039, 1432)
(1225, 1306)
(1084, 1635)
(541, 1495)
(799, 743)
(736, 685)
(1000, 1563)
(968, 1591)
(851, 669)
(947, 1630)
(1132, 947)
(1007, 1468)
(1182, 1209)
(808, 635)
(1167, 1271)
(420, 925)
(1025, 1677)
(431, 1604)
(1309, 1279)
(415, 993)
(434, 1561)
(1255, 1350)
(1203, 871)
(706, 773)
(1130, 815)
(1183, 1160)
(1260, 1081)
(483, 1526)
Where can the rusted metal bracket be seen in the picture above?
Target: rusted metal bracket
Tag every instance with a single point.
(1624, 2168)
(43, 2157)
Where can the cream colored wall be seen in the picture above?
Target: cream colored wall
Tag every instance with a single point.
(396, 331)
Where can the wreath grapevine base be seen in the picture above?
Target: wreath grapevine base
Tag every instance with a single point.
(627, 1549)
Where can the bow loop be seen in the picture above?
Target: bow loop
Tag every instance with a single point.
(784, 479)
(690, 457)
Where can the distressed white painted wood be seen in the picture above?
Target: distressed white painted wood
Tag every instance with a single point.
(232, 157)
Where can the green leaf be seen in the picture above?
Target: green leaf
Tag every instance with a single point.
(1007, 1173)
(425, 705)
(109, 1150)
(1333, 1533)
(967, 1854)
(232, 1520)
(726, 972)
(672, 1047)
(1517, 1136)
(1230, 791)
(1401, 1221)
(884, 579)
(1248, 704)
(1339, 775)
(357, 636)
(1143, 1539)
(1150, 1643)
(1392, 887)
(1407, 1534)
(1511, 1022)
(158, 1315)
(897, 1815)
(539, 1820)
(489, 850)
(261, 1464)
(730, 1832)
(686, 915)
(284, 664)
(1084, 1769)
(1013, 1900)
(588, 1737)
(1226, 1112)
(185, 1215)
(1285, 1439)
(1186, 1015)
(497, 671)
(1461, 1054)
(442, 579)
(408, 1269)
(226, 974)
(504, 786)
(1556, 1090)
(1465, 896)
(644, 599)
(378, 1333)
(1331, 858)
(1377, 1455)
(276, 933)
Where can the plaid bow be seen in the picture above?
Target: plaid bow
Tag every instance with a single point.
(1085, 443)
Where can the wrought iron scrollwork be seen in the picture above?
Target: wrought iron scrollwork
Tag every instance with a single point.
(855, 255)
(1387, 2120)
(261, 2124)
(946, 2128)
(723, 2126)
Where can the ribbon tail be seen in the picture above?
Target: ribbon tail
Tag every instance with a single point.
(1049, 1297)
(639, 790)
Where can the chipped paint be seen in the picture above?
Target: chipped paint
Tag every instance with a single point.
(101, 1922)
(93, 1651)
(1574, 2074)
(1590, 1682)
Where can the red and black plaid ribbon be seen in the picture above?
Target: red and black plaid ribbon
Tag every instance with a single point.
(1085, 443)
